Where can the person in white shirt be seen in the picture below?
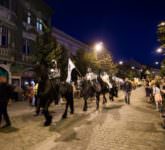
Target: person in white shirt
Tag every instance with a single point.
(157, 96)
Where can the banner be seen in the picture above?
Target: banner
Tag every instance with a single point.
(71, 66)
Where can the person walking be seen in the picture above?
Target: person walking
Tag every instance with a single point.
(30, 94)
(157, 96)
(127, 90)
(148, 91)
(5, 95)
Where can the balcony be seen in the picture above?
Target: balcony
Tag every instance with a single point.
(30, 36)
(7, 16)
(6, 54)
(26, 59)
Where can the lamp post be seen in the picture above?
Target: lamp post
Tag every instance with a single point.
(160, 50)
(121, 62)
(98, 47)
(156, 63)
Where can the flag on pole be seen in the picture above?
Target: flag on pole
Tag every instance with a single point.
(71, 66)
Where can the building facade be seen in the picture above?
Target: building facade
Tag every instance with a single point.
(20, 23)
(68, 41)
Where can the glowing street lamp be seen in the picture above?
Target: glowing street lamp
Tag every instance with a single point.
(98, 47)
(121, 62)
(156, 63)
(132, 67)
(159, 50)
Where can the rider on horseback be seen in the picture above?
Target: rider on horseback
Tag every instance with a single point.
(90, 76)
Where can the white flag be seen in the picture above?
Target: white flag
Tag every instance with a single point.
(71, 66)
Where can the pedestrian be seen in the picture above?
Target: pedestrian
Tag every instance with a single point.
(30, 93)
(157, 96)
(127, 90)
(5, 95)
(148, 90)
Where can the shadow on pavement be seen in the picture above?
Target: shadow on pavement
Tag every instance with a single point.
(113, 107)
(9, 130)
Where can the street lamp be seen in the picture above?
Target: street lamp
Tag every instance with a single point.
(121, 62)
(98, 47)
(159, 50)
(156, 63)
(132, 67)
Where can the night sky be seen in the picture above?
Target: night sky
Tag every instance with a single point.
(127, 27)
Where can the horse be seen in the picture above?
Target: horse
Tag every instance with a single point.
(96, 87)
(49, 90)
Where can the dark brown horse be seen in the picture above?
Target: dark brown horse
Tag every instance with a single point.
(49, 91)
(93, 88)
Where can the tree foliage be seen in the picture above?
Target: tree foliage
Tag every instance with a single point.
(98, 62)
(161, 33)
(47, 48)
(162, 71)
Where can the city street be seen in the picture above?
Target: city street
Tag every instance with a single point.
(116, 126)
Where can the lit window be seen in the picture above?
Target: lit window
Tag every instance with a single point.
(39, 25)
(29, 18)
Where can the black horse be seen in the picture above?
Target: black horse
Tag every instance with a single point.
(49, 91)
(93, 88)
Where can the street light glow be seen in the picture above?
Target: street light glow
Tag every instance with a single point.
(162, 24)
(156, 63)
(132, 67)
(159, 50)
(98, 46)
(120, 62)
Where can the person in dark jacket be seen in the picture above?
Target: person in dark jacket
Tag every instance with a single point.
(127, 89)
(5, 95)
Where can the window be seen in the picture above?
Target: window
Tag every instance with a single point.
(26, 47)
(39, 25)
(29, 18)
(4, 39)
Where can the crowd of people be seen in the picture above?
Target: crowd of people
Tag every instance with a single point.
(155, 93)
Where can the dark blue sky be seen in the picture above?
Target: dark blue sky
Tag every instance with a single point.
(127, 27)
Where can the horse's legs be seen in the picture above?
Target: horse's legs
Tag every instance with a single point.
(38, 106)
(104, 99)
(97, 100)
(66, 110)
(71, 104)
(48, 117)
(85, 104)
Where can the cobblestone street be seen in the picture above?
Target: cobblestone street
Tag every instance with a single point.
(116, 126)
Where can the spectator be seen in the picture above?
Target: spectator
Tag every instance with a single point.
(127, 89)
(157, 96)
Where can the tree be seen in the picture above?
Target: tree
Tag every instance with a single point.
(162, 70)
(44, 45)
(106, 62)
(84, 59)
(47, 48)
(161, 33)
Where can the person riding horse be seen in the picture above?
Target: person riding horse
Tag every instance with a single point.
(93, 85)
(50, 89)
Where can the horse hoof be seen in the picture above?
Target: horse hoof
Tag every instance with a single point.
(71, 112)
(84, 109)
(64, 117)
(48, 122)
